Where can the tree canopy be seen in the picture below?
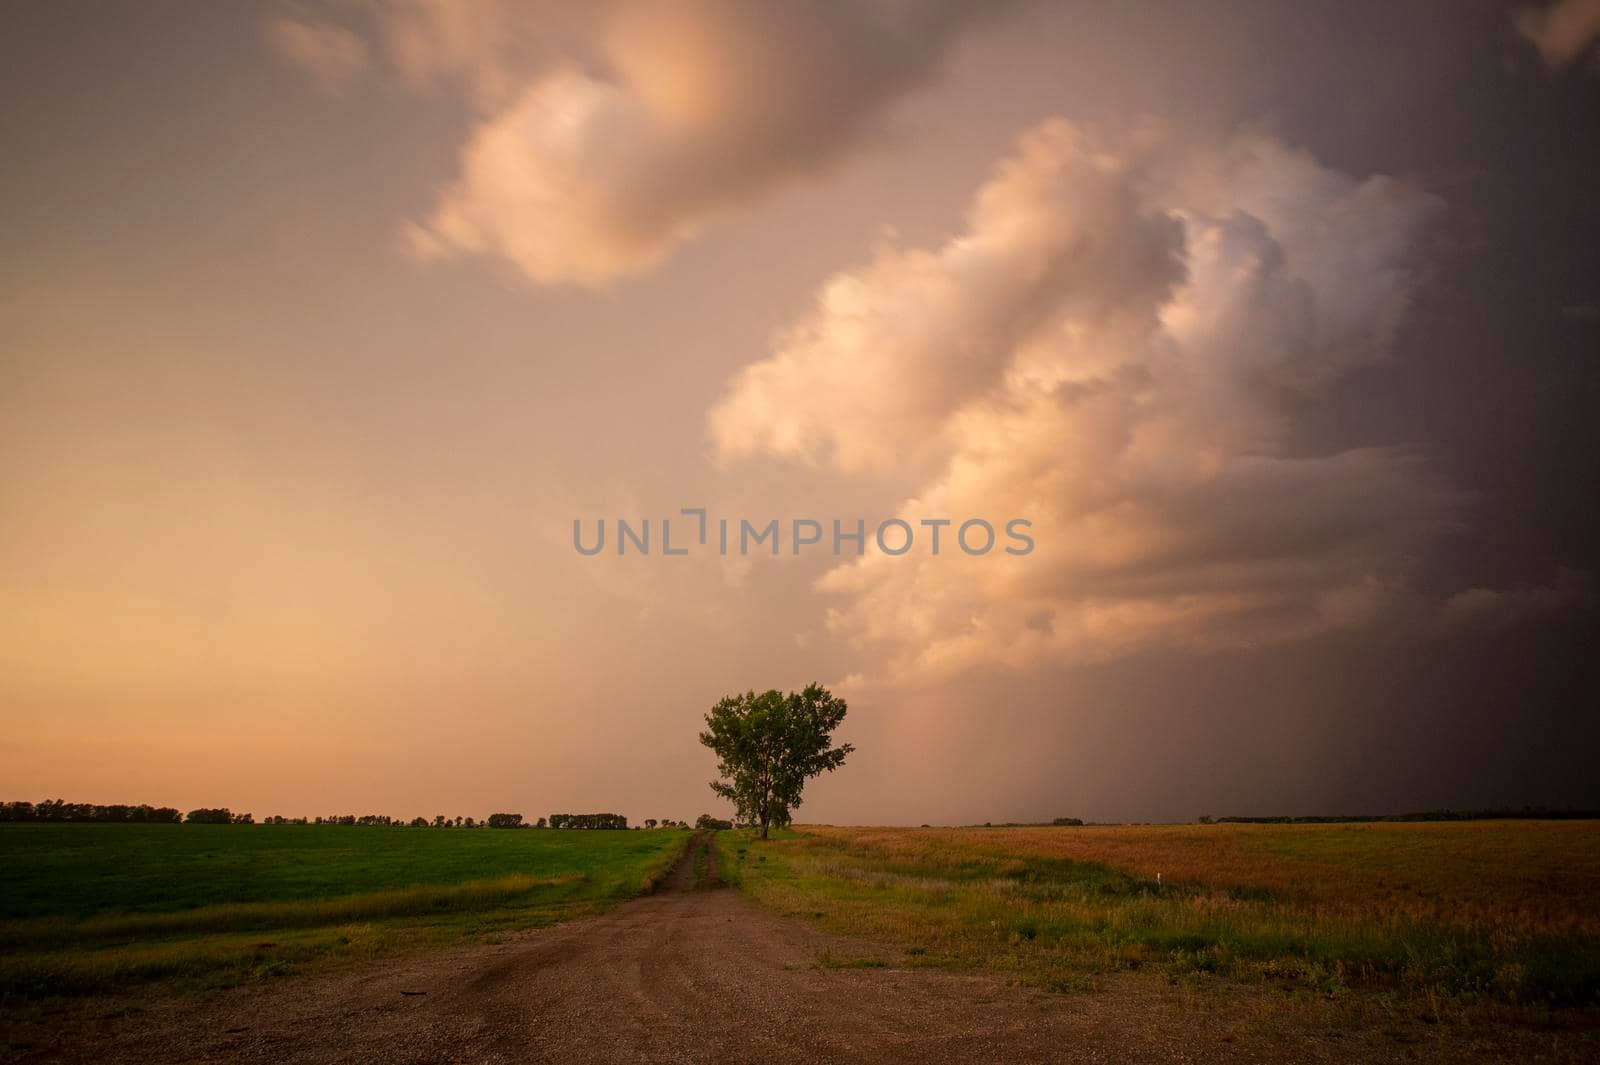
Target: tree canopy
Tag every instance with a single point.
(769, 745)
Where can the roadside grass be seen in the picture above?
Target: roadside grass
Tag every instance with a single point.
(828, 960)
(241, 916)
(701, 867)
(1433, 921)
(83, 910)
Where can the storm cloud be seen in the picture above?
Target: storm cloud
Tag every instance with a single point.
(1114, 348)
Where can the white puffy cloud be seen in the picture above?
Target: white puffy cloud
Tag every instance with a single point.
(873, 375)
(1563, 31)
(1113, 349)
(612, 132)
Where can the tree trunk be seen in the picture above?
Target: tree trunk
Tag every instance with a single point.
(763, 826)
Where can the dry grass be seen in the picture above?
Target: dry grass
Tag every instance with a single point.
(1529, 878)
(1427, 920)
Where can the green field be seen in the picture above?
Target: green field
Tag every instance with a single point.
(87, 908)
(1433, 921)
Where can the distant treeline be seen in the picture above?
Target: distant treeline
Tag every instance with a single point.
(1059, 822)
(60, 810)
(57, 810)
(218, 816)
(1529, 813)
(588, 821)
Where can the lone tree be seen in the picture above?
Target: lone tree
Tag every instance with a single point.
(769, 745)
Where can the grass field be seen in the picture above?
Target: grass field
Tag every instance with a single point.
(89, 908)
(1432, 920)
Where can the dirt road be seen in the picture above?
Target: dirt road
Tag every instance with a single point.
(692, 973)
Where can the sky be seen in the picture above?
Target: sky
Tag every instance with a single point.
(321, 325)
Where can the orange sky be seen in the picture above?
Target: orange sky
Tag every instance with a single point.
(319, 325)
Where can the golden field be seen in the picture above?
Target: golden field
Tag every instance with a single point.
(1427, 919)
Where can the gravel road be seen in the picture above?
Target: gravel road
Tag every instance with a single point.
(691, 973)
